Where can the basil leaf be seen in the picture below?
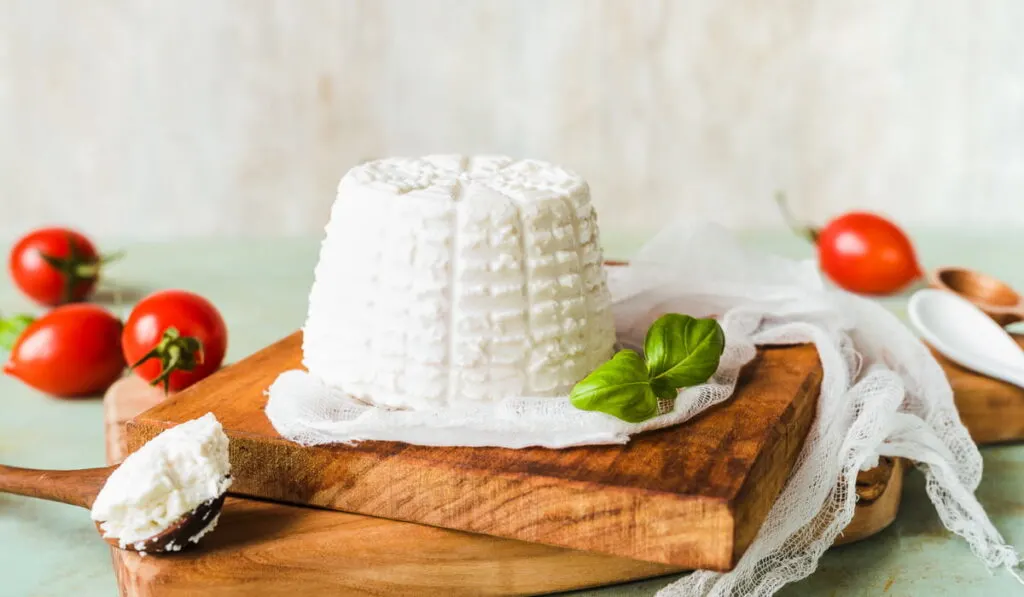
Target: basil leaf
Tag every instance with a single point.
(11, 328)
(619, 387)
(683, 351)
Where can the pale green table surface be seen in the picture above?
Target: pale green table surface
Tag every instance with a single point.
(51, 550)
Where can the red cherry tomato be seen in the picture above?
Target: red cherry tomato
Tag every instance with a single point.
(54, 266)
(864, 253)
(867, 254)
(174, 338)
(74, 350)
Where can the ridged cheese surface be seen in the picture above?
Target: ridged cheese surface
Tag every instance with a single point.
(447, 280)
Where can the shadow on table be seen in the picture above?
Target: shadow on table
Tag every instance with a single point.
(114, 294)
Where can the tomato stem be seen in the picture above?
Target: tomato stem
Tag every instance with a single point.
(75, 268)
(176, 353)
(91, 269)
(810, 232)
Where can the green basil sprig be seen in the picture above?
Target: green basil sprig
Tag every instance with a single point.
(679, 351)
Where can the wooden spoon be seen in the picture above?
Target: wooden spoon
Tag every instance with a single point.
(993, 296)
(80, 488)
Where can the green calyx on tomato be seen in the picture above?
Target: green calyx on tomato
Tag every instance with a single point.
(176, 353)
(11, 328)
(77, 267)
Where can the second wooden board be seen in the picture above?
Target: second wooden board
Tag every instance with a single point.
(992, 410)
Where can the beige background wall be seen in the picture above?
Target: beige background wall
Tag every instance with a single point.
(157, 118)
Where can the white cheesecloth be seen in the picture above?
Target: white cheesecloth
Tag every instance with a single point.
(882, 393)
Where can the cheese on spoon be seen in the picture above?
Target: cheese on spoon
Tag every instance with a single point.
(167, 478)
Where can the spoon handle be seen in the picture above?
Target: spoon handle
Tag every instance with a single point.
(78, 487)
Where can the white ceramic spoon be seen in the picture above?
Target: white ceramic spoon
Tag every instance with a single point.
(963, 333)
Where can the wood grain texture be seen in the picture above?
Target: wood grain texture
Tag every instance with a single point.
(276, 550)
(122, 402)
(273, 549)
(878, 501)
(992, 410)
(690, 496)
(75, 487)
(267, 549)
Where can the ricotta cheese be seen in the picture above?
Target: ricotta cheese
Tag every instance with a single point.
(168, 477)
(448, 280)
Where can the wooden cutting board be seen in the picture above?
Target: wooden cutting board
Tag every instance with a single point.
(691, 496)
(270, 549)
(992, 410)
(276, 550)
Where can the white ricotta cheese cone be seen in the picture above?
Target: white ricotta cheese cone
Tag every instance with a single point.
(449, 280)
